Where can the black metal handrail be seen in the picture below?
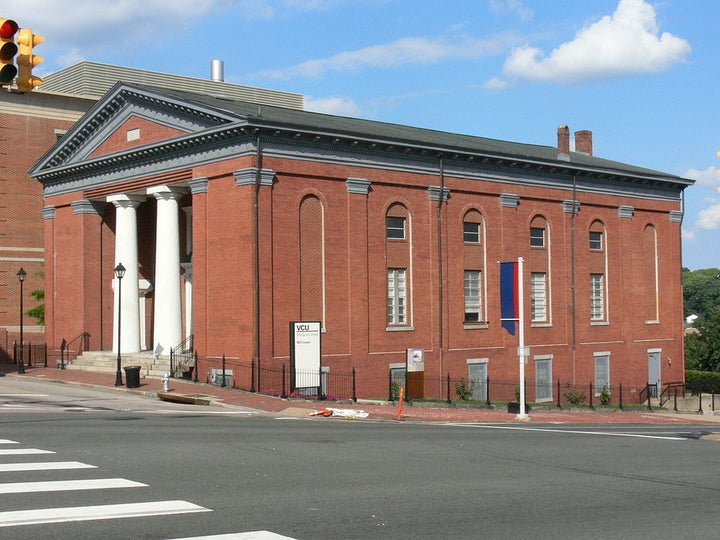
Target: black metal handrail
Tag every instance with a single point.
(182, 359)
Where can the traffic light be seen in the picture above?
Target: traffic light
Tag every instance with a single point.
(26, 60)
(8, 51)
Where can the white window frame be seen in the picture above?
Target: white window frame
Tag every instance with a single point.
(544, 360)
(595, 239)
(471, 236)
(597, 297)
(395, 228)
(602, 371)
(538, 240)
(397, 304)
(472, 287)
(538, 297)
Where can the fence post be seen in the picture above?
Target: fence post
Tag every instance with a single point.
(195, 369)
(591, 397)
(448, 389)
(700, 409)
(321, 394)
(648, 396)
(675, 399)
(620, 406)
(390, 386)
(29, 350)
(354, 392)
(45, 353)
(559, 406)
(487, 391)
(282, 392)
(252, 375)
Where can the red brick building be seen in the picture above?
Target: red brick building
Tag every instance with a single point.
(235, 219)
(29, 125)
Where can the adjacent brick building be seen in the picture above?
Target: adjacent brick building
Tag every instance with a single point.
(389, 235)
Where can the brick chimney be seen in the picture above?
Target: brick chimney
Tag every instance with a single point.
(583, 142)
(563, 135)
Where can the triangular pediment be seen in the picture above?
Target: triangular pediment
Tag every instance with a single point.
(126, 118)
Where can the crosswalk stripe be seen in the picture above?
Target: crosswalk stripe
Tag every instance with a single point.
(250, 535)
(68, 485)
(23, 451)
(44, 466)
(8, 441)
(90, 513)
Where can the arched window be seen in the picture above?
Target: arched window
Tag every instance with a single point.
(474, 268)
(650, 274)
(398, 271)
(312, 260)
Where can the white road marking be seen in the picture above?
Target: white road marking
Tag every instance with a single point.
(23, 395)
(44, 466)
(603, 433)
(23, 451)
(91, 513)
(68, 485)
(8, 441)
(251, 535)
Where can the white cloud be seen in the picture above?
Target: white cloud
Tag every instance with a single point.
(342, 106)
(709, 218)
(704, 178)
(89, 24)
(627, 42)
(688, 236)
(496, 83)
(404, 51)
(515, 7)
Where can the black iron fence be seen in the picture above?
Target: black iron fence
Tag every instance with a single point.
(279, 380)
(31, 354)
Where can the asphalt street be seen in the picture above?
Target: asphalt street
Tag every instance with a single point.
(149, 469)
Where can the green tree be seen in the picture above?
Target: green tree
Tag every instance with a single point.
(701, 291)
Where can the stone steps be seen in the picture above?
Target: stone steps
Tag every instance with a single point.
(106, 362)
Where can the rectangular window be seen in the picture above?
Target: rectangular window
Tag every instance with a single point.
(538, 296)
(397, 296)
(537, 237)
(543, 379)
(473, 304)
(395, 228)
(597, 297)
(602, 372)
(471, 233)
(596, 240)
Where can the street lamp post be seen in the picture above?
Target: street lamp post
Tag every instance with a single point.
(21, 364)
(119, 274)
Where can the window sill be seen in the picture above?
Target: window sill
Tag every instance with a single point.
(652, 322)
(399, 328)
(599, 323)
(476, 325)
(540, 324)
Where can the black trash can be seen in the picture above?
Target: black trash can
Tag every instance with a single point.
(132, 376)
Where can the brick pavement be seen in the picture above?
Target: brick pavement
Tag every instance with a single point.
(377, 410)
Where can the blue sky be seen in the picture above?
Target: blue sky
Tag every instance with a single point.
(643, 75)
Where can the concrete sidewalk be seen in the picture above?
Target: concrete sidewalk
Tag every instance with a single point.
(377, 410)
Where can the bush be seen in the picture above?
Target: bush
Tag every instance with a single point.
(574, 398)
(707, 382)
(605, 396)
(463, 390)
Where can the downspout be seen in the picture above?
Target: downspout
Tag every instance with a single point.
(256, 255)
(440, 264)
(573, 288)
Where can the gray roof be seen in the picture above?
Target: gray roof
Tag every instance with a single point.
(427, 138)
(220, 123)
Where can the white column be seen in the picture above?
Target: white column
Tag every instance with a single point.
(188, 299)
(167, 318)
(126, 252)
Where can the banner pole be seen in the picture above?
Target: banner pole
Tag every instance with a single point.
(522, 350)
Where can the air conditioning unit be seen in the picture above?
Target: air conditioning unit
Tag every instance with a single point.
(216, 377)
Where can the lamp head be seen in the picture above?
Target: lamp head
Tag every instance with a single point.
(119, 271)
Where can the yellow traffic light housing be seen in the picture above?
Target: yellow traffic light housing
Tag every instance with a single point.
(8, 51)
(26, 40)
